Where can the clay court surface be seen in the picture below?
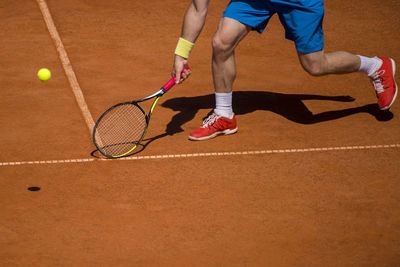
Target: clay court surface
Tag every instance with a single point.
(312, 178)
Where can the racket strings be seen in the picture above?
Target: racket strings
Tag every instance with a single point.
(121, 129)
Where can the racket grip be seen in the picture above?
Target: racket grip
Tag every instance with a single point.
(171, 82)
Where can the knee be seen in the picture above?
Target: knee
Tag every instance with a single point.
(220, 46)
(313, 68)
(313, 63)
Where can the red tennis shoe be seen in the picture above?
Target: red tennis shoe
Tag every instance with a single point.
(384, 83)
(212, 126)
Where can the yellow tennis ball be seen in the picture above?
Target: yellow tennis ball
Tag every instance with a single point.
(44, 74)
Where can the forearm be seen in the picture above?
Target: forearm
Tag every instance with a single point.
(194, 20)
(193, 23)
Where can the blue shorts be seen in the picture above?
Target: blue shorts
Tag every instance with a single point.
(302, 19)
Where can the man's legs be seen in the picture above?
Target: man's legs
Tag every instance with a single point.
(380, 70)
(321, 63)
(230, 32)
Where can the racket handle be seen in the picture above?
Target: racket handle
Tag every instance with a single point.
(171, 82)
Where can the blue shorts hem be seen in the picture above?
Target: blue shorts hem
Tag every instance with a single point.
(309, 50)
(258, 28)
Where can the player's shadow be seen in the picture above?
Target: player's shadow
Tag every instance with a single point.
(289, 106)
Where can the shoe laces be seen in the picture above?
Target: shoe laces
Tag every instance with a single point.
(378, 81)
(210, 120)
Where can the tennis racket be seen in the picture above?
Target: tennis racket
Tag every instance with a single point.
(121, 128)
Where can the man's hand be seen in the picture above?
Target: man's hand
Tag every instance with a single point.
(177, 69)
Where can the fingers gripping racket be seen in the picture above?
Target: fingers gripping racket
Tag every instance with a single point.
(122, 127)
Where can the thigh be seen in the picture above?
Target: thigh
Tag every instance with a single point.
(230, 32)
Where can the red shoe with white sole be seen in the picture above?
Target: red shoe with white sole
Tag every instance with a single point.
(384, 83)
(212, 126)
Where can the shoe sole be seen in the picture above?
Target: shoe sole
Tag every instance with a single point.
(224, 132)
(395, 84)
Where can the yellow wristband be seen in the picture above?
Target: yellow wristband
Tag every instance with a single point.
(183, 48)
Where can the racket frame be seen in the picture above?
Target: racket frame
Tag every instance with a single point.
(165, 88)
(157, 94)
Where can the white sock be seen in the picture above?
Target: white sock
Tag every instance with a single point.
(223, 105)
(369, 64)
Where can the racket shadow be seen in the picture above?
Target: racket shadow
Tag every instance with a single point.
(142, 146)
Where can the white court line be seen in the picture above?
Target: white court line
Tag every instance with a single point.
(209, 154)
(66, 64)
